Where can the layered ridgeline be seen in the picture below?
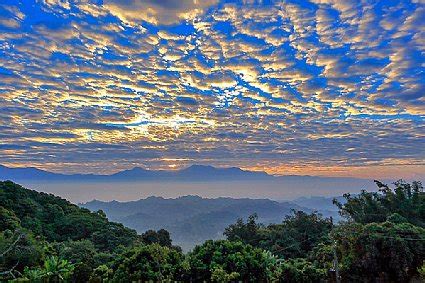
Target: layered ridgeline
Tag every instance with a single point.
(46, 238)
(191, 173)
(192, 220)
(194, 172)
(206, 181)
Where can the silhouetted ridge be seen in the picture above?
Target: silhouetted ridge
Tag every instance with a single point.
(191, 173)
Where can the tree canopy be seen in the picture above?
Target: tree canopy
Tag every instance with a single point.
(408, 200)
(46, 238)
(56, 219)
(296, 236)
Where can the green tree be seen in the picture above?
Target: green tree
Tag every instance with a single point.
(228, 260)
(33, 275)
(248, 233)
(56, 270)
(8, 220)
(56, 219)
(77, 251)
(301, 270)
(18, 250)
(408, 200)
(148, 263)
(53, 270)
(295, 237)
(161, 237)
(421, 271)
(102, 273)
(219, 275)
(82, 254)
(380, 251)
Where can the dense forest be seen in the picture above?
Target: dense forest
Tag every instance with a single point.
(47, 239)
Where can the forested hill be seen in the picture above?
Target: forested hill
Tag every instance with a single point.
(57, 220)
(192, 220)
(44, 238)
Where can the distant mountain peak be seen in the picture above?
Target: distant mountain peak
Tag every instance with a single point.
(153, 198)
(137, 168)
(135, 171)
(199, 167)
(190, 197)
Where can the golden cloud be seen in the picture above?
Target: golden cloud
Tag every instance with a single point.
(163, 12)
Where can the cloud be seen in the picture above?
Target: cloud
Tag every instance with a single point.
(164, 12)
(228, 83)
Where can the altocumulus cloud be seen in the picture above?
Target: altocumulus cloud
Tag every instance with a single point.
(258, 84)
(157, 12)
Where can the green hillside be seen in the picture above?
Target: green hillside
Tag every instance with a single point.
(56, 220)
(44, 238)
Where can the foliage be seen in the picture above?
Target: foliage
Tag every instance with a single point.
(295, 237)
(82, 254)
(101, 274)
(53, 270)
(56, 269)
(18, 250)
(408, 200)
(322, 256)
(248, 233)
(301, 270)
(148, 263)
(228, 260)
(56, 219)
(33, 275)
(8, 220)
(77, 251)
(44, 238)
(78, 236)
(380, 250)
(220, 275)
(421, 271)
(161, 237)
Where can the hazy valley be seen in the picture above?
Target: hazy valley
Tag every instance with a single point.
(191, 219)
(204, 181)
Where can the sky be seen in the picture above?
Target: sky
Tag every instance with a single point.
(318, 87)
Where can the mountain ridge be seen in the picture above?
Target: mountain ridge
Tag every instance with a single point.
(192, 219)
(192, 173)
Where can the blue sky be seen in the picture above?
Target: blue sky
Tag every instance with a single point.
(321, 87)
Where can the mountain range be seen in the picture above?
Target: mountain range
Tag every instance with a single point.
(191, 173)
(192, 219)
